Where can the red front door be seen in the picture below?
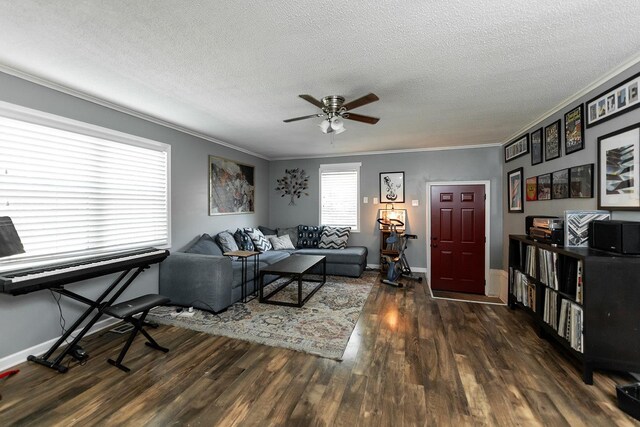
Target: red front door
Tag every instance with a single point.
(457, 238)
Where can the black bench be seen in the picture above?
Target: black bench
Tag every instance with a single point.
(125, 311)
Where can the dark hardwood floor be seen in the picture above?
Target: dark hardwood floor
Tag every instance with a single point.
(411, 360)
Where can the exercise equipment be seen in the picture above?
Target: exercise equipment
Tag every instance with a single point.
(398, 265)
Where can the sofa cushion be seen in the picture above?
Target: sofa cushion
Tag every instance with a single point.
(292, 232)
(308, 236)
(243, 240)
(260, 243)
(267, 231)
(205, 245)
(349, 255)
(226, 241)
(272, 257)
(334, 237)
(281, 243)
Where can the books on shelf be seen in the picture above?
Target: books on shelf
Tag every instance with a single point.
(550, 315)
(530, 261)
(579, 290)
(570, 324)
(549, 268)
(524, 290)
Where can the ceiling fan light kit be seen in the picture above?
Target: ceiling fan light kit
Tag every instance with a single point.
(334, 111)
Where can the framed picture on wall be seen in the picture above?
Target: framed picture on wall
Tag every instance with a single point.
(536, 147)
(391, 187)
(552, 141)
(517, 148)
(618, 169)
(560, 184)
(231, 187)
(613, 102)
(573, 130)
(544, 187)
(532, 188)
(514, 180)
(581, 181)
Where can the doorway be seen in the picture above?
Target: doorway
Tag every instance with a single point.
(457, 234)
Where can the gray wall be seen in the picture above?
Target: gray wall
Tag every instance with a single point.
(419, 168)
(32, 319)
(514, 223)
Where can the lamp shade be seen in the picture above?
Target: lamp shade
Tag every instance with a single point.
(337, 124)
(324, 126)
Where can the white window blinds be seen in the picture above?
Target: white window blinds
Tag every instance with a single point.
(71, 194)
(339, 195)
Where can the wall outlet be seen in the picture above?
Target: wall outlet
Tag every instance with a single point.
(415, 203)
(375, 200)
(365, 200)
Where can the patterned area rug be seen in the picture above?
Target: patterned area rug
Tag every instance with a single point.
(322, 327)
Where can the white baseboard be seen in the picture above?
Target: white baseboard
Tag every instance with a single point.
(39, 349)
(497, 286)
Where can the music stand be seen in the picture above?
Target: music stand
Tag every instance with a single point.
(10, 243)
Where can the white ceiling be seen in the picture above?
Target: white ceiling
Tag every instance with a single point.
(448, 73)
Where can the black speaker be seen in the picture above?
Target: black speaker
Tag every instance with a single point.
(615, 236)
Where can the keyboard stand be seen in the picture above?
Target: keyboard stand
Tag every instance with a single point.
(98, 304)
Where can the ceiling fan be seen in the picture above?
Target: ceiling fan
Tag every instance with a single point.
(334, 110)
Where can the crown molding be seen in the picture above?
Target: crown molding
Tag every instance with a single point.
(407, 150)
(570, 100)
(113, 106)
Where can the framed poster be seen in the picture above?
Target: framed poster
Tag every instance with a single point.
(231, 187)
(574, 130)
(517, 148)
(391, 187)
(560, 184)
(536, 147)
(552, 141)
(514, 180)
(544, 187)
(532, 188)
(613, 102)
(618, 180)
(581, 181)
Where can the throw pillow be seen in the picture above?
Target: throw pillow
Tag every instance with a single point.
(334, 237)
(226, 241)
(243, 240)
(281, 243)
(308, 236)
(260, 243)
(205, 246)
(267, 231)
(292, 232)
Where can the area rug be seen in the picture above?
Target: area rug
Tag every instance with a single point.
(321, 327)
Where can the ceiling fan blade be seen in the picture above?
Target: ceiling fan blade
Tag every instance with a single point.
(312, 100)
(361, 118)
(367, 99)
(295, 119)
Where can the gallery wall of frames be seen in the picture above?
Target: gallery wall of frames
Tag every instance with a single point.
(542, 160)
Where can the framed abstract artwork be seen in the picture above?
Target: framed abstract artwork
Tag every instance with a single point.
(618, 169)
(613, 102)
(392, 187)
(514, 181)
(536, 147)
(552, 141)
(573, 130)
(231, 187)
(517, 148)
(560, 184)
(532, 188)
(581, 181)
(544, 187)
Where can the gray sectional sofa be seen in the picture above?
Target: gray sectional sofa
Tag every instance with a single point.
(201, 277)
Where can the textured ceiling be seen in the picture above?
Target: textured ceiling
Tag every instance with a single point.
(450, 73)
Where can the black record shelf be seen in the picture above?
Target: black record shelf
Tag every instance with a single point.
(602, 308)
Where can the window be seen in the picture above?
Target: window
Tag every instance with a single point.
(340, 195)
(74, 189)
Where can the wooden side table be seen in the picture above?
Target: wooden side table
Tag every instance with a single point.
(244, 256)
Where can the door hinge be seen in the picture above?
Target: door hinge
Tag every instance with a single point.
(485, 197)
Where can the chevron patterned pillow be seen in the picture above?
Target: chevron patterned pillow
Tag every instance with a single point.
(334, 237)
(260, 243)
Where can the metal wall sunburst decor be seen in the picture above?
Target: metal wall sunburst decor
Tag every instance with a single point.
(294, 183)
